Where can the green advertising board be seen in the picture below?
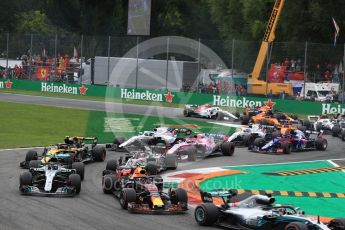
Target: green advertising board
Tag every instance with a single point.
(181, 98)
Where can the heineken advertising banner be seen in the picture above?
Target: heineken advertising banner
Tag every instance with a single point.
(230, 102)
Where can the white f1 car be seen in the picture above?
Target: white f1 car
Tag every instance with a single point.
(209, 111)
(323, 122)
(246, 135)
(256, 212)
(165, 135)
(51, 179)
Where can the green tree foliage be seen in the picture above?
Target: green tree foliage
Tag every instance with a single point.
(301, 20)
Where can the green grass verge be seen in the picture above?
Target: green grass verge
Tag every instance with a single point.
(320, 182)
(25, 125)
(32, 125)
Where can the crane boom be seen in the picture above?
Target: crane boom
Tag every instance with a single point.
(255, 85)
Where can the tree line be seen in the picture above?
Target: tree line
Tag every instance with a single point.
(301, 20)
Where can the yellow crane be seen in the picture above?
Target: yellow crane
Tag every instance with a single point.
(256, 86)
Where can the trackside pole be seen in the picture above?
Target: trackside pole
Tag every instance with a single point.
(305, 67)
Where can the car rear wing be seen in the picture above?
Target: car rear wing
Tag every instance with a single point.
(313, 118)
(207, 197)
(318, 134)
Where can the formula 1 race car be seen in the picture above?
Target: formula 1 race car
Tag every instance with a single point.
(246, 135)
(338, 130)
(294, 140)
(202, 145)
(325, 122)
(73, 150)
(209, 111)
(165, 135)
(139, 153)
(52, 179)
(274, 118)
(256, 212)
(140, 193)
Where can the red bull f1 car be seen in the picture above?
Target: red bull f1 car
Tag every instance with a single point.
(140, 192)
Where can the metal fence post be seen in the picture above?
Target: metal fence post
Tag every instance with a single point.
(198, 80)
(305, 67)
(7, 49)
(167, 69)
(31, 38)
(109, 58)
(30, 56)
(137, 69)
(81, 72)
(232, 65)
(343, 89)
(55, 57)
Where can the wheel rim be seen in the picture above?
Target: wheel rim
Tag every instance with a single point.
(200, 215)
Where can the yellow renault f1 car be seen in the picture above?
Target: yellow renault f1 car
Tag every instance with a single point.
(74, 149)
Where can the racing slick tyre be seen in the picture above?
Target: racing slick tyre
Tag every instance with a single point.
(35, 164)
(75, 181)
(275, 134)
(191, 153)
(25, 179)
(187, 112)
(245, 140)
(287, 147)
(98, 153)
(31, 155)
(228, 148)
(245, 120)
(302, 128)
(343, 135)
(171, 161)
(108, 183)
(337, 224)
(128, 195)
(117, 142)
(296, 226)
(321, 144)
(111, 165)
(294, 116)
(68, 161)
(259, 142)
(335, 131)
(318, 127)
(151, 169)
(307, 124)
(206, 214)
(79, 168)
(220, 116)
(179, 195)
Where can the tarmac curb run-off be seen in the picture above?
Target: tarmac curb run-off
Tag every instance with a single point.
(210, 178)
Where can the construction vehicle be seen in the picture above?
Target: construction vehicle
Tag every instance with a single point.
(256, 86)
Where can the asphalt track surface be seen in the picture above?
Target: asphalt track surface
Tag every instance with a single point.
(91, 209)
